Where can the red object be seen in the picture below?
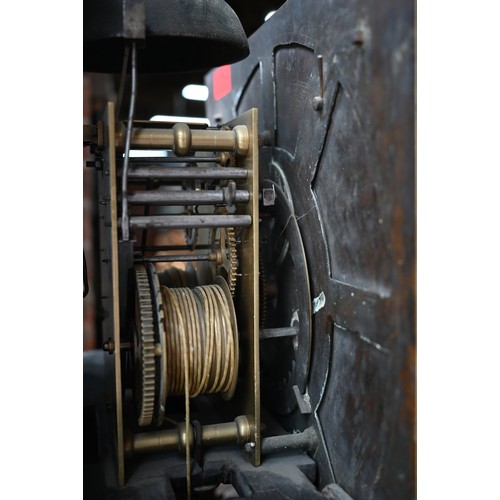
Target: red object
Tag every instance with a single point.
(222, 81)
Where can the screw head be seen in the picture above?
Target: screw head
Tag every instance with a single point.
(249, 447)
(359, 37)
(109, 346)
(318, 103)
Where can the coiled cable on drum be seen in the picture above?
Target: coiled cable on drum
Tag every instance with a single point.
(201, 344)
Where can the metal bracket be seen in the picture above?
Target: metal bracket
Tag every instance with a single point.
(303, 400)
(268, 196)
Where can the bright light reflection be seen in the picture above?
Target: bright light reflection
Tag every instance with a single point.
(269, 15)
(180, 119)
(147, 153)
(195, 92)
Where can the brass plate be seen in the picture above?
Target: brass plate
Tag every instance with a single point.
(110, 156)
(247, 302)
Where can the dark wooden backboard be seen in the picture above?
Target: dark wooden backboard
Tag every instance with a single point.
(350, 168)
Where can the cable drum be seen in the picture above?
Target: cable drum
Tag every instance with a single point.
(201, 344)
(201, 340)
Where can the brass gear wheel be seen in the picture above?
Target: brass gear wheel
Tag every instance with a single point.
(232, 259)
(145, 363)
(161, 358)
(224, 243)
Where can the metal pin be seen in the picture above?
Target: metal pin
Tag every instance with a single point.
(320, 67)
(318, 101)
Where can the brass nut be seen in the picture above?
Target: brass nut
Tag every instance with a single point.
(182, 139)
(242, 143)
(243, 429)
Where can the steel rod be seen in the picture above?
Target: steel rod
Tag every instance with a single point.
(307, 440)
(272, 333)
(172, 248)
(178, 258)
(213, 197)
(189, 221)
(181, 173)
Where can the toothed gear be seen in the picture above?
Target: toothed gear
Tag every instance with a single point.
(232, 160)
(228, 264)
(160, 340)
(145, 348)
(224, 240)
(233, 259)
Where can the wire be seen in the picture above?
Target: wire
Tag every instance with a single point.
(130, 125)
(122, 82)
(85, 277)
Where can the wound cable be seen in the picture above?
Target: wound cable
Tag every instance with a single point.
(201, 338)
(201, 344)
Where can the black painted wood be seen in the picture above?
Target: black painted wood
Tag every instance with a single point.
(350, 168)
